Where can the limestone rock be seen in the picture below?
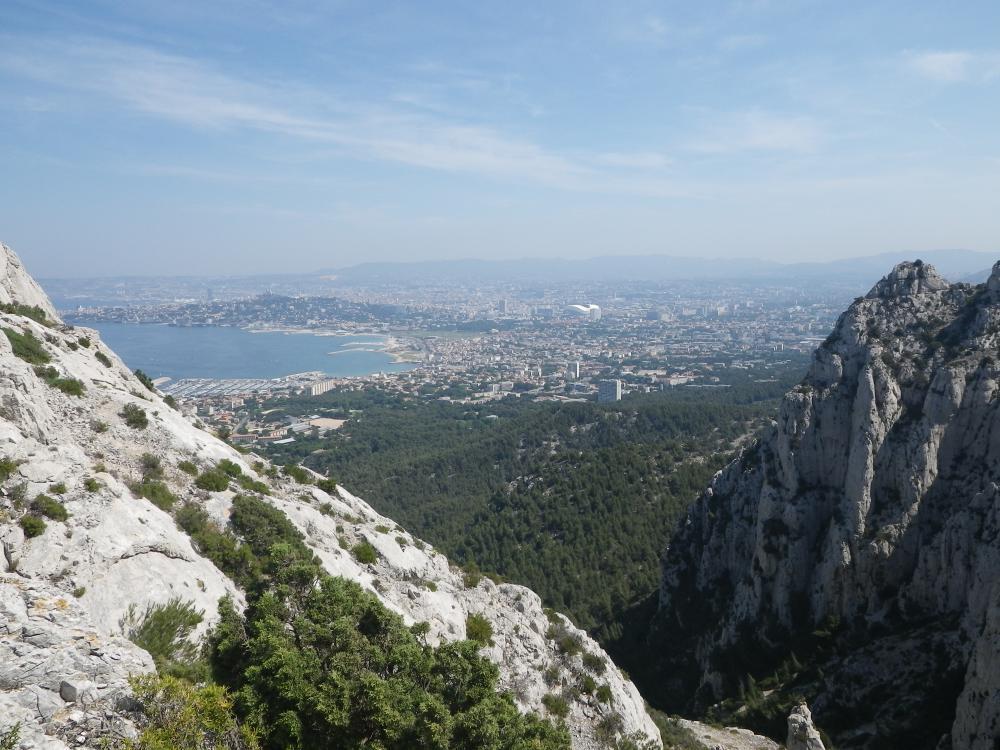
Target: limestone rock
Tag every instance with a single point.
(802, 733)
(117, 553)
(869, 513)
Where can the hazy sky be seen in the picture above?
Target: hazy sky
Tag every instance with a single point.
(146, 136)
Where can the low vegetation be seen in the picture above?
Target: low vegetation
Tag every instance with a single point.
(135, 416)
(27, 347)
(53, 379)
(49, 507)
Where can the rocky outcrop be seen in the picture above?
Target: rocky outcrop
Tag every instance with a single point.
(861, 532)
(802, 733)
(18, 287)
(68, 591)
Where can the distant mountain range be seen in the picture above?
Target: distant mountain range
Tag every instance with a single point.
(953, 264)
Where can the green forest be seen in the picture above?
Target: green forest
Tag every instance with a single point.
(573, 499)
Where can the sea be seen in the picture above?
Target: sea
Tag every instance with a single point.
(220, 353)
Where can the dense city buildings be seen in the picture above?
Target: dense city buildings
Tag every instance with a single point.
(481, 342)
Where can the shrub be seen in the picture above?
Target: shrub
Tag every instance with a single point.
(91, 485)
(34, 312)
(170, 401)
(364, 553)
(556, 705)
(182, 716)
(594, 663)
(327, 510)
(7, 467)
(212, 480)
(84, 342)
(59, 488)
(188, 467)
(145, 380)
(10, 739)
(157, 492)
(587, 684)
(79, 591)
(230, 468)
(382, 529)
(401, 541)
(135, 416)
(471, 575)
(27, 347)
(479, 630)
(329, 486)
(569, 644)
(49, 507)
(152, 466)
(33, 526)
(250, 484)
(51, 377)
(604, 694)
(164, 630)
(297, 473)
(98, 426)
(103, 359)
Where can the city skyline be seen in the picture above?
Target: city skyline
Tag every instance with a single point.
(202, 138)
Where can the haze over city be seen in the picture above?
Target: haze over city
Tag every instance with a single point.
(185, 137)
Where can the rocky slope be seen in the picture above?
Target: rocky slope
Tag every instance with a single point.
(860, 533)
(65, 592)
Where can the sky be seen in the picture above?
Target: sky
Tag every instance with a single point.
(198, 137)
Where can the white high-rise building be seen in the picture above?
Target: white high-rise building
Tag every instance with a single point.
(609, 390)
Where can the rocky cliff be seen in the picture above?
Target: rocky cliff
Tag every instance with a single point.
(65, 590)
(851, 555)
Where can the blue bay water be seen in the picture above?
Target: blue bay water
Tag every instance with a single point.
(176, 352)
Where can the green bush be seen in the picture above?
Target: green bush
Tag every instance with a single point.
(157, 492)
(297, 473)
(84, 342)
(79, 591)
(103, 359)
(364, 553)
(170, 401)
(98, 426)
(604, 694)
(221, 547)
(212, 480)
(164, 630)
(181, 716)
(329, 486)
(479, 630)
(49, 507)
(556, 705)
(27, 347)
(135, 416)
(230, 468)
(7, 467)
(250, 484)
(34, 312)
(91, 485)
(152, 466)
(145, 380)
(569, 644)
(51, 377)
(382, 529)
(594, 663)
(188, 467)
(59, 488)
(33, 526)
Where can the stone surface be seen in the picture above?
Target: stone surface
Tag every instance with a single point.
(802, 733)
(117, 553)
(870, 511)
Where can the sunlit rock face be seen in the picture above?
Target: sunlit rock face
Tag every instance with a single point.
(64, 596)
(869, 513)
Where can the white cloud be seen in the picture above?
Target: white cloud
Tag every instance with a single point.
(757, 130)
(635, 160)
(947, 67)
(956, 66)
(186, 91)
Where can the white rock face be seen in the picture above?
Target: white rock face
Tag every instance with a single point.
(116, 551)
(17, 286)
(802, 733)
(871, 507)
